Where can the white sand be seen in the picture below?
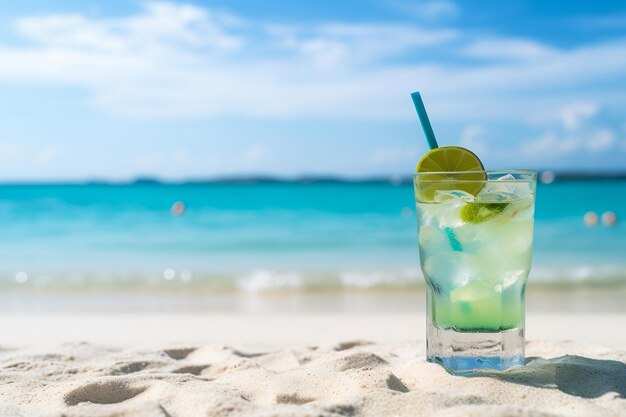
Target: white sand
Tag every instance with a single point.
(276, 330)
(171, 366)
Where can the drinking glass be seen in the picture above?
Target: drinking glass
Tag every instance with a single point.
(475, 243)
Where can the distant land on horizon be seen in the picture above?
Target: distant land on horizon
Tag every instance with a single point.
(305, 179)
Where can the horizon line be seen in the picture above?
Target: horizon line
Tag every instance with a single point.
(559, 175)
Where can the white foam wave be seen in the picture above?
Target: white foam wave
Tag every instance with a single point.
(264, 280)
(579, 274)
(373, 279)
(267, 280)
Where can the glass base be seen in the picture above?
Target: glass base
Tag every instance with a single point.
(464, 353)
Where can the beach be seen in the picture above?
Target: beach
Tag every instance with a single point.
(304, 300)
(203, 364)
(308, 208)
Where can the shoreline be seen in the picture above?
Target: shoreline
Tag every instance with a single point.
(276, 330)
(539, 299)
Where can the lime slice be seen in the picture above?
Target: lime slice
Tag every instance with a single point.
(453, 168)
(480, 212)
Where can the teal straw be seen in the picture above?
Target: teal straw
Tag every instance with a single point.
(432, 144)
(421, 114)
(454, 241)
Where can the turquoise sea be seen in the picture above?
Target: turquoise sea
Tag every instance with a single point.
(261, 236)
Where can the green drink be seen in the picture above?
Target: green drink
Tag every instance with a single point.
(475, 253)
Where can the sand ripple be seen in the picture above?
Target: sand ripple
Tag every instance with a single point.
(352, 378)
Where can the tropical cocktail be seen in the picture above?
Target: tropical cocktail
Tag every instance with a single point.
(475, 231)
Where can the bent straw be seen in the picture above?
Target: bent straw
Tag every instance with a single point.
(432, 144)
(421, 114)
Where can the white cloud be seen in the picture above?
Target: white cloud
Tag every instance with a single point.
(181, 61)
(552, 145)
(332, 48)
(185, 61)
(472, 138)
(160, 25)
(601, 140)
(359, 43)
(509, 49)
(583, 130)
(428, 10)
(575, 114)
(439, 8)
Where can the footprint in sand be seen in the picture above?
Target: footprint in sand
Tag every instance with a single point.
(191, 369)
(248, 355)
(347, 410)
(179, 353)
(394, 384)
(107, 392)
(293, 399)
(125, 368)
(351, 344)
(358, 360)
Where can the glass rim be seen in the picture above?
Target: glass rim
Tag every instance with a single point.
(530, 175)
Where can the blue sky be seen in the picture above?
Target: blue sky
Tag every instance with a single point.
(195, 89)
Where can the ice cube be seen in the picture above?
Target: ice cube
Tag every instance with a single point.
(507, 177)
(505, 249)
(447, 195)
(504, 188)
(484, 197)
(433, 238)
(449, 269)
(522, 208)
(521, 189)
(476, 291)
(501, 185)
(513, 277)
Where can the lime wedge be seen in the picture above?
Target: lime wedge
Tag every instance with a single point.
(453, 168)
(480, 212)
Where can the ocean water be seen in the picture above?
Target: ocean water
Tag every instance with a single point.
(262, 236)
